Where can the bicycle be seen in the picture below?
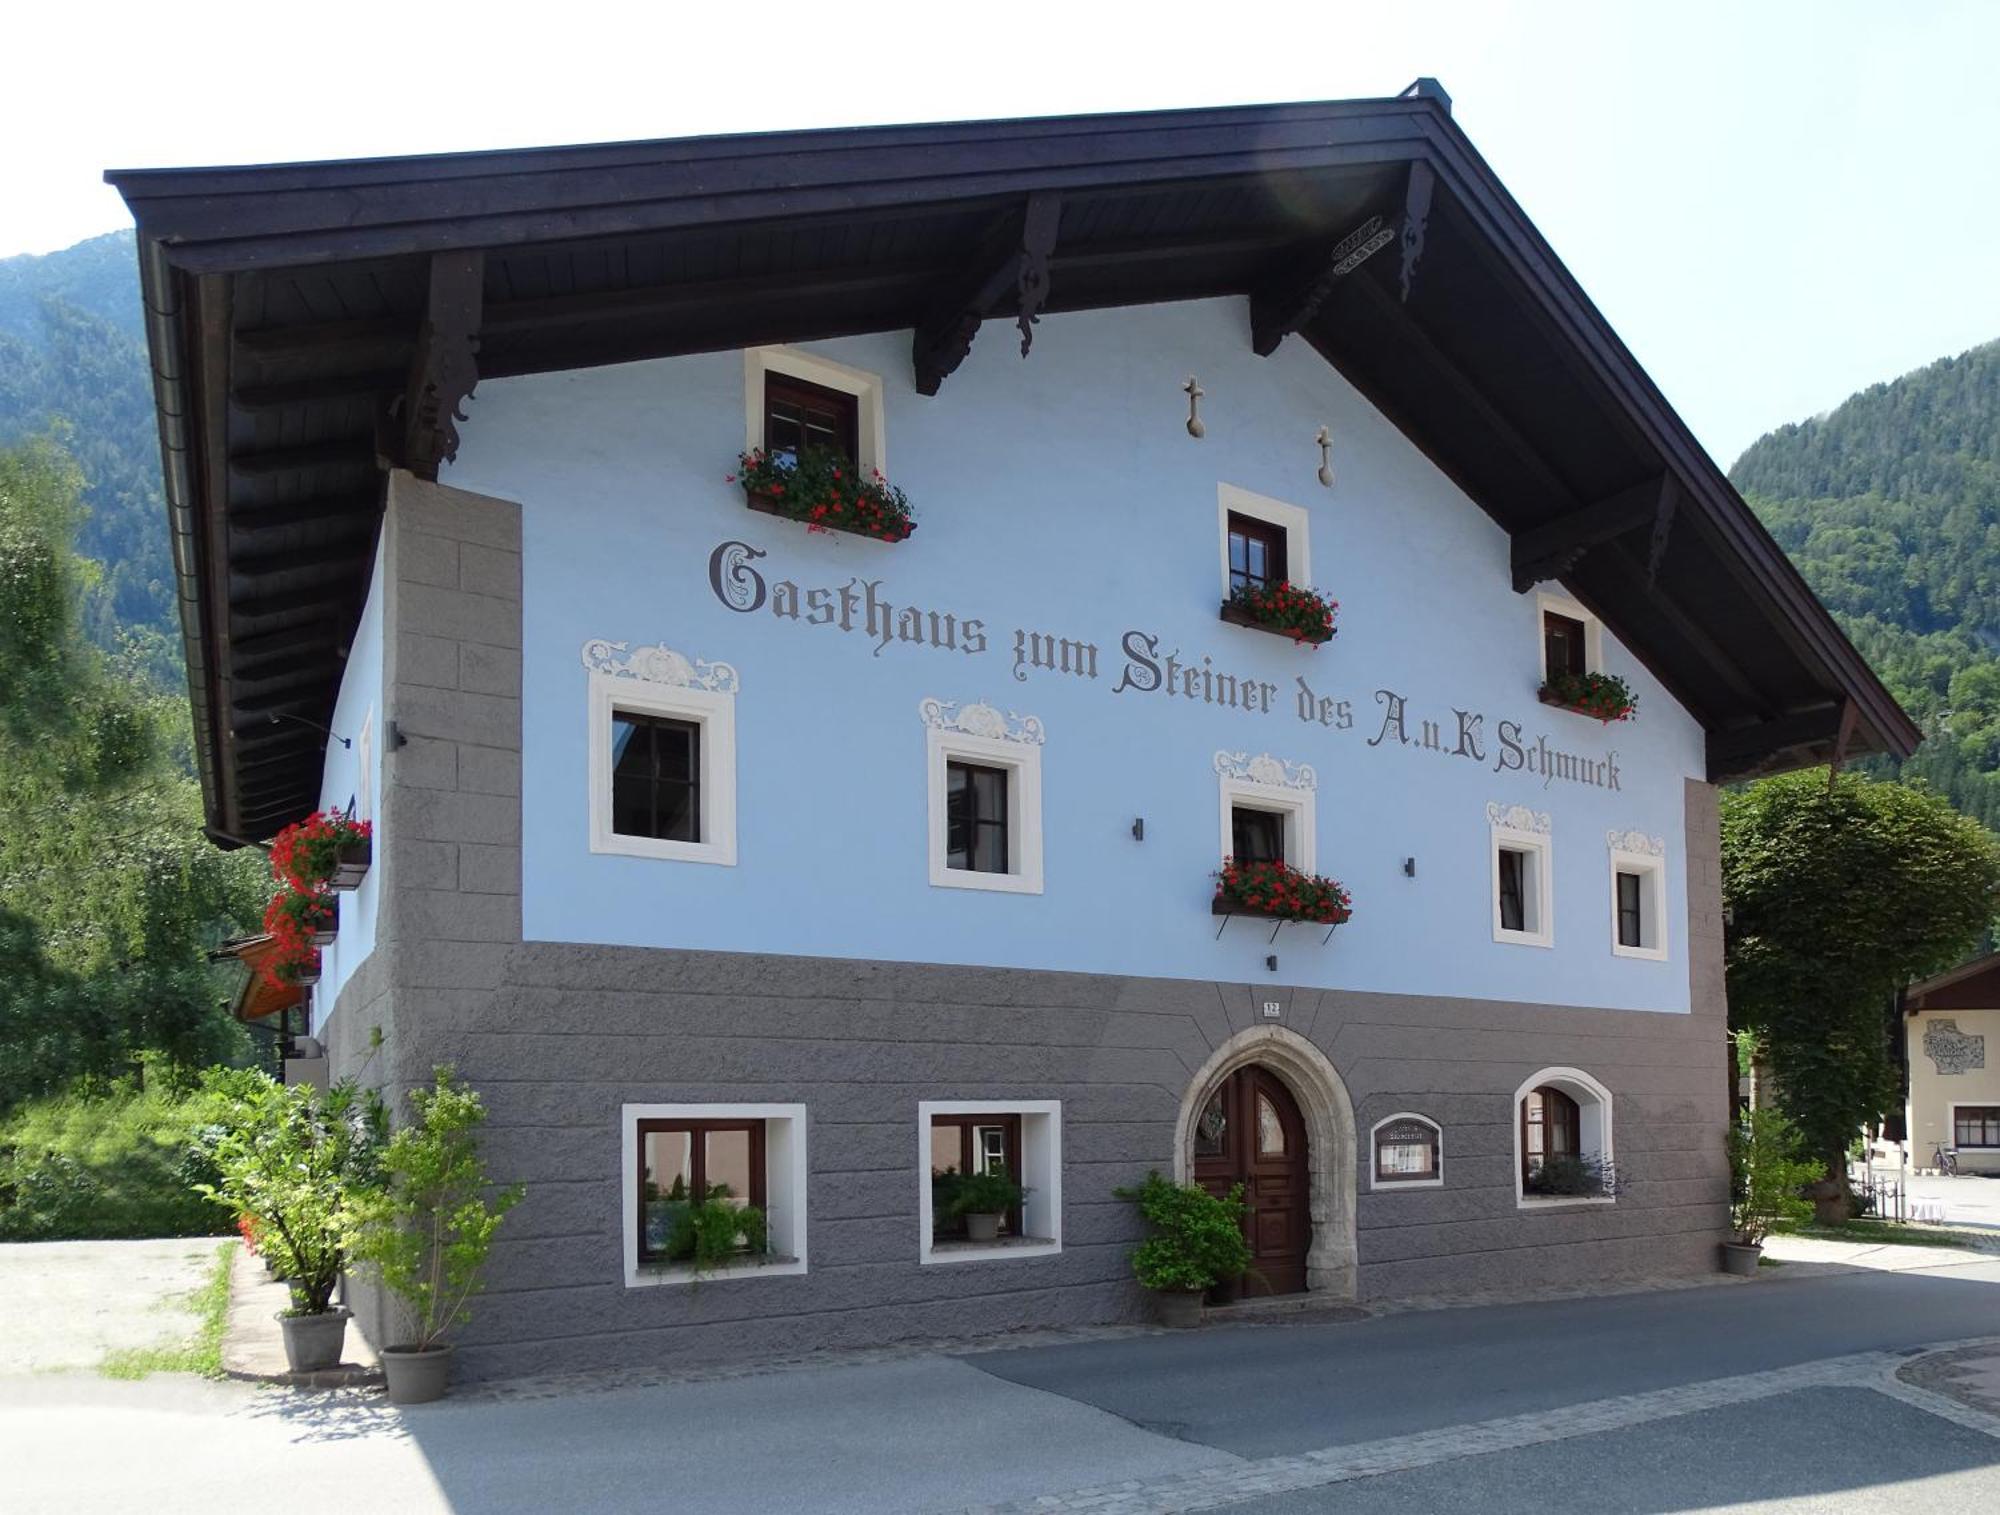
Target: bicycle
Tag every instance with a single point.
(1945, 1162)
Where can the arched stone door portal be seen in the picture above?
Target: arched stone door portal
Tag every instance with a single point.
(1277, 1094)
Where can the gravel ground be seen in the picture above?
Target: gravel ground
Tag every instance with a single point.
(66, 1304)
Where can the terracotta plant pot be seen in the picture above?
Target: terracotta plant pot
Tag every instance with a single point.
(313, 1342)
(1741, 1260)
(416, 1375)
(1179, 1308)
(982, 1228)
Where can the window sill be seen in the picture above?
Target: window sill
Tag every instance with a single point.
(1005, 1247)
(1522, 939)
(1640, 954)
(997, 883)
(1381, 1185)
(1243, 618)
(771, 1265)
(1562, 1201)
(767, 505)
(619, 844)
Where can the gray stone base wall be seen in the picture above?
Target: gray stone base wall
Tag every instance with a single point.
(558, 1037)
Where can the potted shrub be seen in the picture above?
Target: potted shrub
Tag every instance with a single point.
(1767, 1183)
(1280, 892)
(1601, 696)
(329, 849)
(426, 1231)
(1197, 1239)
(295, 1161)
(1571, 1176)
(983, 1200)
(1291, 610)
(821, 488)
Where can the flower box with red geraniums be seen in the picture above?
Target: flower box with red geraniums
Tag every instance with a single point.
(826, 492)
(328, 847)
(292, 970)
(1601, 696)
(1287, 610)
(1279, 892)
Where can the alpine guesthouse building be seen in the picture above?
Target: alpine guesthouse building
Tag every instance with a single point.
(725, 853)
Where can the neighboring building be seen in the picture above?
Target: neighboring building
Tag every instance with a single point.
(1952, 1025)
(717, 850)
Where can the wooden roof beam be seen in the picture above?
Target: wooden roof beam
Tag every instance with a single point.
(1287, 302)
(362, 506)
(1014, 258)
(356, 452)
(1747, 751)
(445, 367)
(1548, 552)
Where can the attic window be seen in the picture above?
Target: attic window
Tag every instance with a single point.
(799, 415)
(1562, 645)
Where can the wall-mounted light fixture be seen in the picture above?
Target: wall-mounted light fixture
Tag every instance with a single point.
(1410, 867)
(1139, 829)
(285, 715)
(1271, 962)
(1194, 393)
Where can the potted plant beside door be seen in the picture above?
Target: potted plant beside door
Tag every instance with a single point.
(1197, 1239)
(426, 1231)
(1767, 1181)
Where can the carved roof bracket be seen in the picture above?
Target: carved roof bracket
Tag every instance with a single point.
(445, 367)
(1012, 268)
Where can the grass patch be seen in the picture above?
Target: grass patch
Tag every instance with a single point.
(1889, 1233)
(199, 1353)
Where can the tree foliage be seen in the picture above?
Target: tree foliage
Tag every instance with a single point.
(1839, 895)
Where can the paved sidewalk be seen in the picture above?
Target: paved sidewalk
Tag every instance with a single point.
(70, 1304)
(253, 1343)
(1806, 1254)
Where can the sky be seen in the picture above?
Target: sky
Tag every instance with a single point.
(1774, 204)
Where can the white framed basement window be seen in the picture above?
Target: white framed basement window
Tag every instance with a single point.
(1562, 1133)
(662, 754)
(1638, 868)
(1022, 1136)
(1520, 865)
(983, 784)
(1269, 810)
(744, 1154)
(868, 428)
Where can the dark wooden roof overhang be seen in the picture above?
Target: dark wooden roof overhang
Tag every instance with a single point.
(313, 325)
(1973, 985)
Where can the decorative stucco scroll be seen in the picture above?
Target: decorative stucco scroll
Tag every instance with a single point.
(1635, 841)
(1272, 772)
(1952, 1050)
(980, 719)
(1517, 818)
(658, 665)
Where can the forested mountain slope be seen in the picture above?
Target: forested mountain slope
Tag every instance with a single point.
(1890, 505)
(73, 356)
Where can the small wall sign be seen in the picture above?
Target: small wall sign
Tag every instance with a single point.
(1273, 1009)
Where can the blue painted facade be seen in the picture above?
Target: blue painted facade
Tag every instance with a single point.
(1062, 496)
(352, 780)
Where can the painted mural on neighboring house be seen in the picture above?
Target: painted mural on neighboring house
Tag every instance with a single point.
(1952, 1050)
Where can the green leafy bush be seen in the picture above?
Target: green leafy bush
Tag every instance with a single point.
(297, 1162)
(1197, 1238)
(427, 1230)
(1767, 1176)
(1572, 1177)
(986, 1194)
(123, 1164)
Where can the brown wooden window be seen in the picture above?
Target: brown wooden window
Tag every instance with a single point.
(1975, 1126)
(685, 1161)
(971, 1144)
(655, 777)
(976, 817)
(1631, 914)
(1551, 1127)
(1258, 835)
(798, 415)
(1256, 553)
(1563, 646)
(1513, 889)
(1406, 1151)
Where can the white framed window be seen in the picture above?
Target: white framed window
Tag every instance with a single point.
(662, 754)
(1408, 1152)
(1520, 865)
(952, 1132)
(1571, 638)
(744, 1155)
(983, 778)
(1268, 810)
(1562, 1141)
(1638, 868)
(1270, 541)
(869, 429)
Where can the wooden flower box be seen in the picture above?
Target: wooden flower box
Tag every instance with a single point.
(351, 866)
(1235, 615)
(771, 505)
(328, 925)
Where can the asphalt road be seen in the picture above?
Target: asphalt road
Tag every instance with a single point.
(1262, 1391)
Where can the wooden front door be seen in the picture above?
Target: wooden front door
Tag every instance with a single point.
(1251, 1133)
